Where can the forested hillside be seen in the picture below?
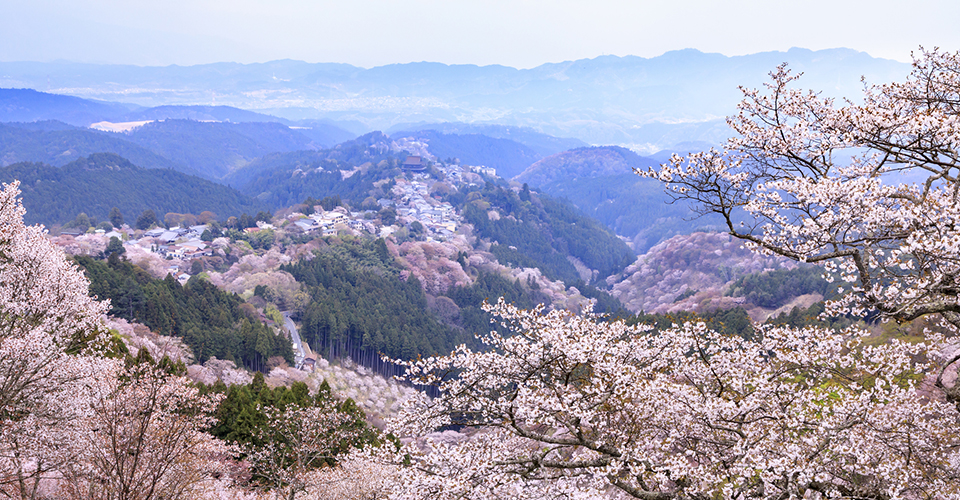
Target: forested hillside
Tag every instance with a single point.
(56, 143)
(286, 179)
(215, 149)
(210, 321)
(600, 181)
(95, 184)
(537, 231)
(361, 307)
(27, 105)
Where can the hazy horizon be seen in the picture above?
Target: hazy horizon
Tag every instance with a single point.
(521, 35)
(280, 60)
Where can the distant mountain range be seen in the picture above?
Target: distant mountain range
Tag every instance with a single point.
(210, 141)
(648, 103)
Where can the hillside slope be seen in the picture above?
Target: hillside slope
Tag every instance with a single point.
(28, 105)
(215, 149)
(56, 143)
(703, 272)
(97, 183)
(600, 181)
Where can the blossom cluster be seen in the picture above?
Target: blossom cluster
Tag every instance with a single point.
(571, 405)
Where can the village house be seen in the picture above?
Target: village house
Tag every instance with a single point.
(307, 226)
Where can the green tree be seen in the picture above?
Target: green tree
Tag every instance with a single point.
(82, 222)
(116, 218)
(388, 216)
(114, 247)
(147, 218)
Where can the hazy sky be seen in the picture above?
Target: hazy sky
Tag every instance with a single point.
(519, 33)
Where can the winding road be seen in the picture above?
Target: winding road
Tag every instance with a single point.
(299, 353)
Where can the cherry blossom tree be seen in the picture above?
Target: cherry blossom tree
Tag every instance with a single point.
(354, 478)
(868, 189)
(573, 407)
(46, 318)
(142, 437)
(296, 442)
(70, 415)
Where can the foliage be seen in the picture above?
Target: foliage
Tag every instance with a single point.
(98, 183)
(773, 288)
(865, 189)
(281, 180)
(241, 417)
(813, 316)
(285, 433)
(569, 406)
(45, 316)
(542, 232)
(208, 320)
(258, 240)
(360, 306)
(489, 287)
(116, 217)
(723, 321)
(147, 219)
(142, 435)
(708, 262)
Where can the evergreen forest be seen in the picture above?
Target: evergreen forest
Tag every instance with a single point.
(213, 323)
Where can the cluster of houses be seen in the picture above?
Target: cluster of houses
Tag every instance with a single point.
(191, 248)
(452, 172)
(324, 223)
(410, 198)
(414, 203)
(492, 172)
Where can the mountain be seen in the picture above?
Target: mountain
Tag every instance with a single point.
(95, 184)
(27, 105)
(347, 170)
(507, 156)
(704, 272)
(542, 144)
(528, 230)
(57, 143)
(209, 140)
(600, 182)
(198, 113)
(583, 163)
(215, 149)
(647, 103)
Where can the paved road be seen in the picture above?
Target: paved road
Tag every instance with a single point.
(298, 353)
